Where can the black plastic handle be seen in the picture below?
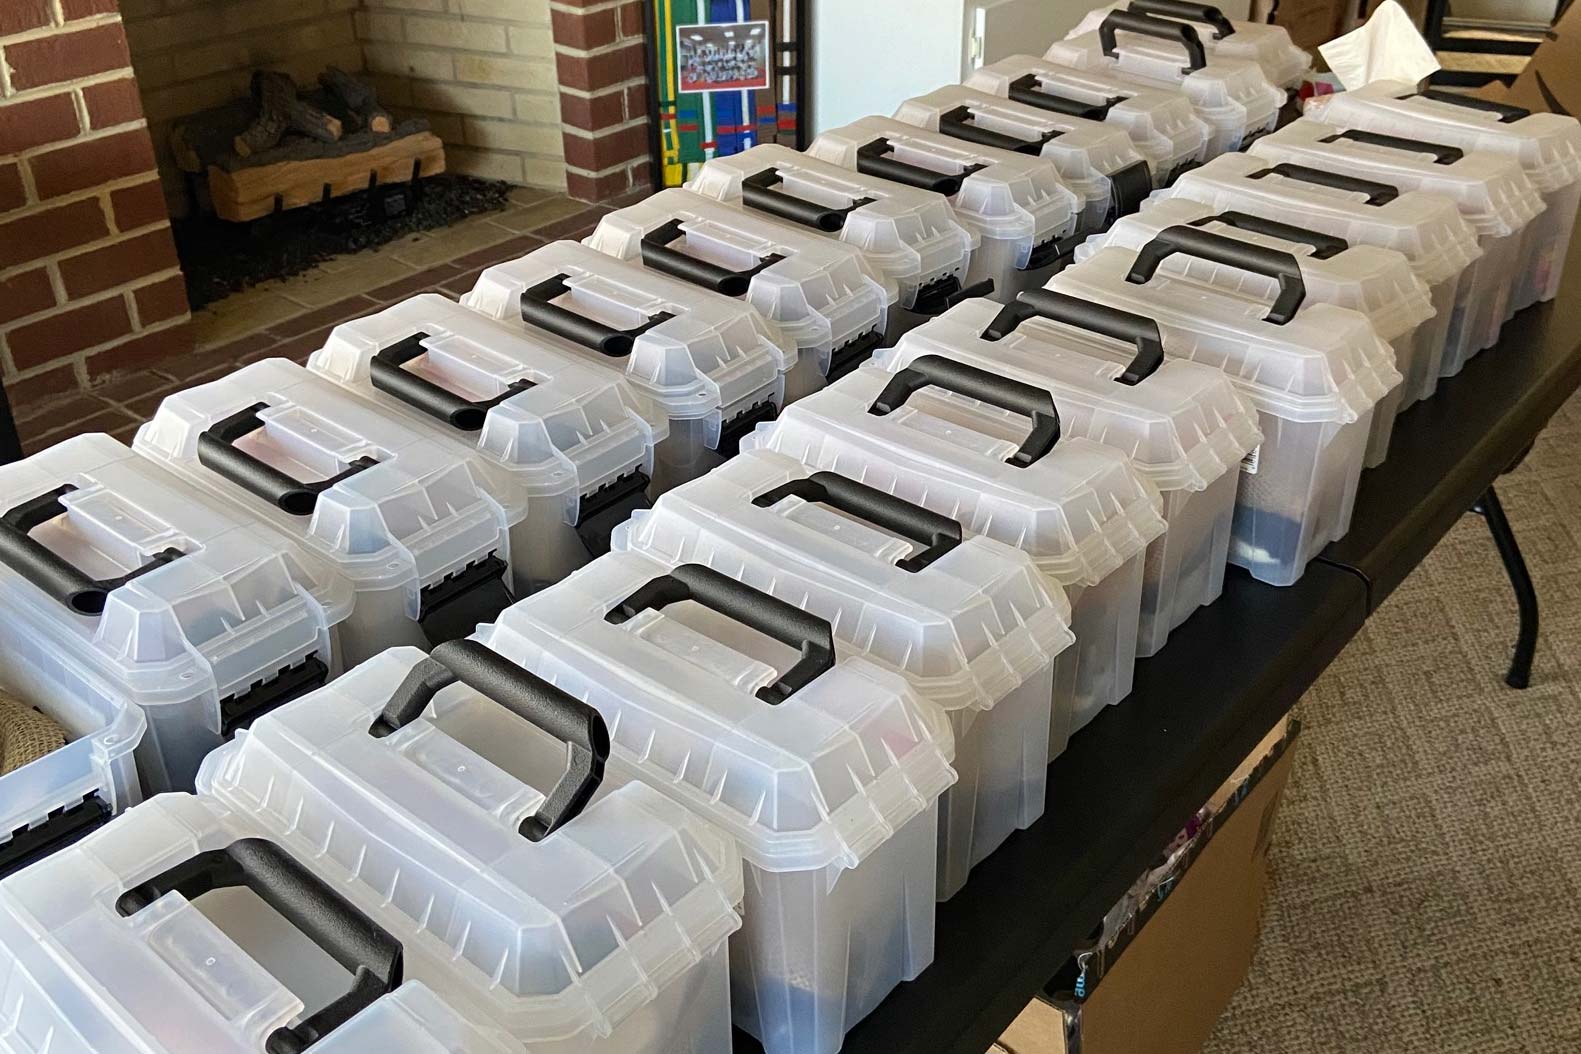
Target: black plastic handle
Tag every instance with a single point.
(1281, 266)
(1377, 193)
(808, 633)
(1324, 246)
(217, 452)
(872, 159)
(1207, 13)
(937, 532)
(657, 254)
(959, 124)
(757, 190)
(364, 948)
(964, 379)
(1101, 319)
(1028, 91)
(1443, 154)
(41, 565)
(1182, 33)
(530, 698)
(1507, 114)
(386, 372)
(537, 310)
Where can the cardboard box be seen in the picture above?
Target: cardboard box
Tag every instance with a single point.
(1551, 80)
(1166, 990)
(1309, 22)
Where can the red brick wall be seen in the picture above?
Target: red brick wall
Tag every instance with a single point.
(89, 283)
(599, 47)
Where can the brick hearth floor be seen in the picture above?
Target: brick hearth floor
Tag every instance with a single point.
(292, 318)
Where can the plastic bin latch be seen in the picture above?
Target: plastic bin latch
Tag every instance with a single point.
(63, 827)
(240, 711)
(852, 353)
(1129, 187)
(606, 508)
(454, 606)
(734, 430)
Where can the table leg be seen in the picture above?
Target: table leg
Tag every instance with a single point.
(1492, 510)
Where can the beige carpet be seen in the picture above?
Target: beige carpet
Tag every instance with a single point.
(1426, 894)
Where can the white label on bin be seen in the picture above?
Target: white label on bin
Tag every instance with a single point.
(1249, 462)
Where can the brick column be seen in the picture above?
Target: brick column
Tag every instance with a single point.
(89, 282)
(599, 47)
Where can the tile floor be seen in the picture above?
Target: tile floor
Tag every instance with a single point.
(291, 318)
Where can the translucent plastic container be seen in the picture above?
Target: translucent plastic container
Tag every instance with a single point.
(182, 927)
(971, 623)
(1236, 98)
(955, 439)
(827, 775)
(1427, 228)
(1547, 145)
(1022, 214)
(1377, 282)
(1315, 372)
(823, 294)
(1162, 124)
(1183, 425)
(1493, 194)
(575, 442)
(1097, 160)
(402, 514)
(1226, 40)
(121, 587)
(456, 799)
(713, 366)
(910, 236)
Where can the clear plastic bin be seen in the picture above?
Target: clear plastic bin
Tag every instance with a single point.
(1183, 425)
(954, 439)
(971, 622)
(713, 366)
(1161, 124)
(402, 514)
(823, 294)
(1493, 194)
(1377, 282)
(1226, 40)
(1236, 99)
(1017, 206)
(1548, 146)
(1426, 228)
(1097, 160)
(182, 927)
(575, 442)
(457, 800)
(827, 775)
(121, 586)
(1315, 372)
(910, 236)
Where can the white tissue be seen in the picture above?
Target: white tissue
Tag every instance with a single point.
(1386, 47)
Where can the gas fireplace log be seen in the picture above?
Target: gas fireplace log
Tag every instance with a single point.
(280, 111)
(359, 98)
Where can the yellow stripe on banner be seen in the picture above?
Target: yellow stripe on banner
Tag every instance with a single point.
(665, 24)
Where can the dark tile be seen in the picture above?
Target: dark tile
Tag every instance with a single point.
(585, 220)
(297, 349)
(511, 249)
(235, 349)
(421, 282)
(339, 311)
(109, 420)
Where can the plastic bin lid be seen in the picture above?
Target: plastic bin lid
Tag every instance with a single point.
(1492, 192)
(168, 594)
(966, 620)
(1378, 282)
(1002, 194)
(1080, 509)
(1325, 364)
(1225, 39)
(551, 918)
(908, 234)
(821, 292)
(405, 506)
(555, 423)
(86, 972)
(1161, 123)
(691, 351)
(814, 768)
(1183, 425)
(1548, 145)
(1427, 228)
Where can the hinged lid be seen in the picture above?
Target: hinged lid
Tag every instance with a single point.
(814, 768)
(1226, 40)
(1078, 507)
(450, 815)
(691, 351)
(967, 621)
(1183, 424)
(556, 424)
